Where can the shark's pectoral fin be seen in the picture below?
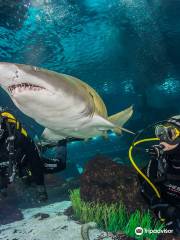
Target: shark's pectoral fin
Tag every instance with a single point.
(51, 136)
(101, 124)
(114, 122)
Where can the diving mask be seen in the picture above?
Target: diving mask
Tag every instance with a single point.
(168, 133)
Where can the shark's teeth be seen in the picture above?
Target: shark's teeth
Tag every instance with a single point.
(24, 86)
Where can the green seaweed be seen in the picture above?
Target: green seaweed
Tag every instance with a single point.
(114, 217)
(133, 222)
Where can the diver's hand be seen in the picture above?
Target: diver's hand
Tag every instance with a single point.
(168, 147)
(156, 151)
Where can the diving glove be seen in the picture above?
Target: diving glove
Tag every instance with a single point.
(156, 151)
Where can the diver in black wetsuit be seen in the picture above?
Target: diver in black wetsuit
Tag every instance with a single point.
(18, 156)
(164, 171)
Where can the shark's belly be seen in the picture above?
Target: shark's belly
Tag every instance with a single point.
(68, 115)
(83, 133)
(82, 129)
(64, 123)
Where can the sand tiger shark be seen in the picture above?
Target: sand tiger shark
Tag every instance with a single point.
(64, 105)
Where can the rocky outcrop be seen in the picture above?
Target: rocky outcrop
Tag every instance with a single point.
(108, 182)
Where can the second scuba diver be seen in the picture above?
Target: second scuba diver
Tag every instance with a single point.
(164, 171)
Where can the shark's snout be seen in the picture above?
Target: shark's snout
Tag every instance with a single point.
(9, 74)
(19, 79)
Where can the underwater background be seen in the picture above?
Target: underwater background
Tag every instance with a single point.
(127, 50)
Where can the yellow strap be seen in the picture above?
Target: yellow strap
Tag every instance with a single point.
(138, 169)
(17, 124)
(24, 132)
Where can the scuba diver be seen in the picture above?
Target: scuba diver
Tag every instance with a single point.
(163, 170)
(19, 156)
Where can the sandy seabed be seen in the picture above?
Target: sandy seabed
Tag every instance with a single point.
(45, 223)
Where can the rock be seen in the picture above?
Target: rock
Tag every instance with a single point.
(85, 230)
(108, 182)
(69, 212)
(41, 216)
(64, 227)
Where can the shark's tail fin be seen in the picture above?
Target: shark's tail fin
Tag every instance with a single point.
(119, 119)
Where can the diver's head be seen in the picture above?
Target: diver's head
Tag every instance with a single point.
(169, 131)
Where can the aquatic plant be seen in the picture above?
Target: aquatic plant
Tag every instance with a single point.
(114, 217)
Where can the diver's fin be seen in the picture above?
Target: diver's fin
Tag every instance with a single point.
(119, 119)
(51, 136)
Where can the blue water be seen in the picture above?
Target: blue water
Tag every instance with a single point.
(128, 50)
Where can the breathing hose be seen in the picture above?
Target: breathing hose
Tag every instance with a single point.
(137, 168)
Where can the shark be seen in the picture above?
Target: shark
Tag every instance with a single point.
(64, 105)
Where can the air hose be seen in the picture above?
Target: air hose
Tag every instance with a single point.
(137, 168)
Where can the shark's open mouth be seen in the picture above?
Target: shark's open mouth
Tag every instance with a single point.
(24, 86)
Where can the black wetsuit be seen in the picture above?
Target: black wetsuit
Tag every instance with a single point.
(164, 172)
(25, 158)
(19, 156)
